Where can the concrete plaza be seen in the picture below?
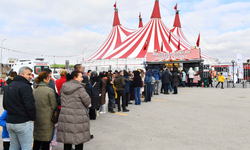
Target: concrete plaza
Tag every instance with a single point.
(195, 119)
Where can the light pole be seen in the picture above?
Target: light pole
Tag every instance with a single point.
(1, 56)
(233, 72)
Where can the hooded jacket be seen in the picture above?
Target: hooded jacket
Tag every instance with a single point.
(148, 76)
(156, 73)
(73, 123)
(137, 82)
(19, 101)
(10, 79)
(119, 83)
(166, 77)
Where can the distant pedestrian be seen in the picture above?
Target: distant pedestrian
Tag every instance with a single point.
(127, 86)
(157, 76)
(221, 80)
(199, 80)
(175, 80)
(137, 84)
(111, 93)
(45, 102)
(210, 80)
(166, 80)
(61, 81)
(183, 78)
(103, 95)
(147, 82)
(19, 103)
(51, 81)
(191, 74)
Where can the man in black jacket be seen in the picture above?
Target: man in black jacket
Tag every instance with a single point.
(19, 103)
(166, 80)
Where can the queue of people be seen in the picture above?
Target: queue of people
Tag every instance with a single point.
(78, 98)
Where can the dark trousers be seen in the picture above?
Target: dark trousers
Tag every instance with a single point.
(111, 104)
(191, 82)
(6, 145)
(175, 90)
(199, 84)
(166, 85)
(147, 91)
(210, 83)
(119, 95)
(38, 144)
(127, 98)
(221, 84)
(92, 114)
(69, 147)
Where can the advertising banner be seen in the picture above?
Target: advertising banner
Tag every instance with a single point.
(177, 55)
(240, 66)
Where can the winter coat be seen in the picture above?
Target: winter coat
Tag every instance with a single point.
(45, 102)
(19, 101)
(221, 78)
(137, 81)
(127, 84)
(104, 90)
(110, 89)
(59, 83)
(166, 77)
(96, 95)
(73, 123)
(157, 73)
(183, 76)
(119, 83)
(191, 73)
(5, 133)
(10, 79)
(175, 79)
(148, 77)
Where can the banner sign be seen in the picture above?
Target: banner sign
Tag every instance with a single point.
(177, 55)
(240, 66)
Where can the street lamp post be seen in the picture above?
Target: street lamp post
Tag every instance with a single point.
(1, 56)
(233, 72)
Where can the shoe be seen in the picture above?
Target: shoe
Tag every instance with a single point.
(111, 110)
(157, 94)
(222, 88)
(91, 136)
(119, 110)
(216, 87)
(174, 93)
(161, 92)
(166, 93)
(145, 101)
(130, 103)
(125, 110)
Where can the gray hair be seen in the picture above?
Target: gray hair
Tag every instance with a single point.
(23, 69)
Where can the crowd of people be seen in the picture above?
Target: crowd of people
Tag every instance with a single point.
(77, 98)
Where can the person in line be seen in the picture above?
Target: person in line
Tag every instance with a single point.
(5, 133)
(61, 81)
(103, 95)
(96, 82)
(191, 74)
(111, 93)
(127, 86)
(199, 80)
(175, 80)
(137, 84)
(221, 80)
(210, 80)
(51, 81)
(120, 89)
(11, 77)
(73, 123)
(147, 82)
(142, 78)
(157, 76)
(183, 78)
(45, 102)
(79, 67)
(19, 103)
(166, 80)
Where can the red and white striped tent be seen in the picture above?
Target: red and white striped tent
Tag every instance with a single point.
(152, 42)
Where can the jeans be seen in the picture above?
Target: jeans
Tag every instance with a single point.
(170, 87)
(166, 85)
(191, 82)
(151, 89)
(111, 103)
(147, 93)
(21, 134)
(121, 94)
(183, 83)
(156, 86)
(137, 95)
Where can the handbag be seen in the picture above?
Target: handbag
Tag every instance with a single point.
(56, 112)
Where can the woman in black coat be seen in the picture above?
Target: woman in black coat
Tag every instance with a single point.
(175, 80)
(137, 84)
(96, 82)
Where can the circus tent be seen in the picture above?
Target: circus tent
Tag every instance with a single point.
(127, 48)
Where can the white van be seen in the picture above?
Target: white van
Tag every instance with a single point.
(36, 65)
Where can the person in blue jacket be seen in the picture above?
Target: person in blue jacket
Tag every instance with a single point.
(147, 82)
(157, 76)
(127, 89)
(5, 133)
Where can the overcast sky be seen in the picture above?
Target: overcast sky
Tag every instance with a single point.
(63, 27)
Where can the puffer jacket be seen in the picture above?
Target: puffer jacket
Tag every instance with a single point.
(156, 73)
(73, 123)
(45, 102)
(221, 78)
(97, 90)
(119, 83)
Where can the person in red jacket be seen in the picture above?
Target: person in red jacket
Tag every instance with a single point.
(62, 80)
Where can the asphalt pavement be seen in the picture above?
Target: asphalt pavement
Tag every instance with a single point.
(195, 119)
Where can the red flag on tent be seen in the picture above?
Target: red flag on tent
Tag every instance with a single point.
(175, 7)
(115, 5)
(161, 46)
(179, 45)
(198, 41)
(169, 38)
(140, 15)
(145, 45)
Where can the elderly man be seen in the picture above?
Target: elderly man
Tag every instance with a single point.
(19, 103)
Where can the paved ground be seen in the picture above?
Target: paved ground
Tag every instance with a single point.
(195, 119)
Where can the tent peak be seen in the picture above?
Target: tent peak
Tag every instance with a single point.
(140, 21)
(156, 11)
(116, 18)
(177, 22)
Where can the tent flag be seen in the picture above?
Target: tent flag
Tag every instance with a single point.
(198, 41)
(179, 45)
(115, 5)
(169, 38)
(175, 7)
(140, 15)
